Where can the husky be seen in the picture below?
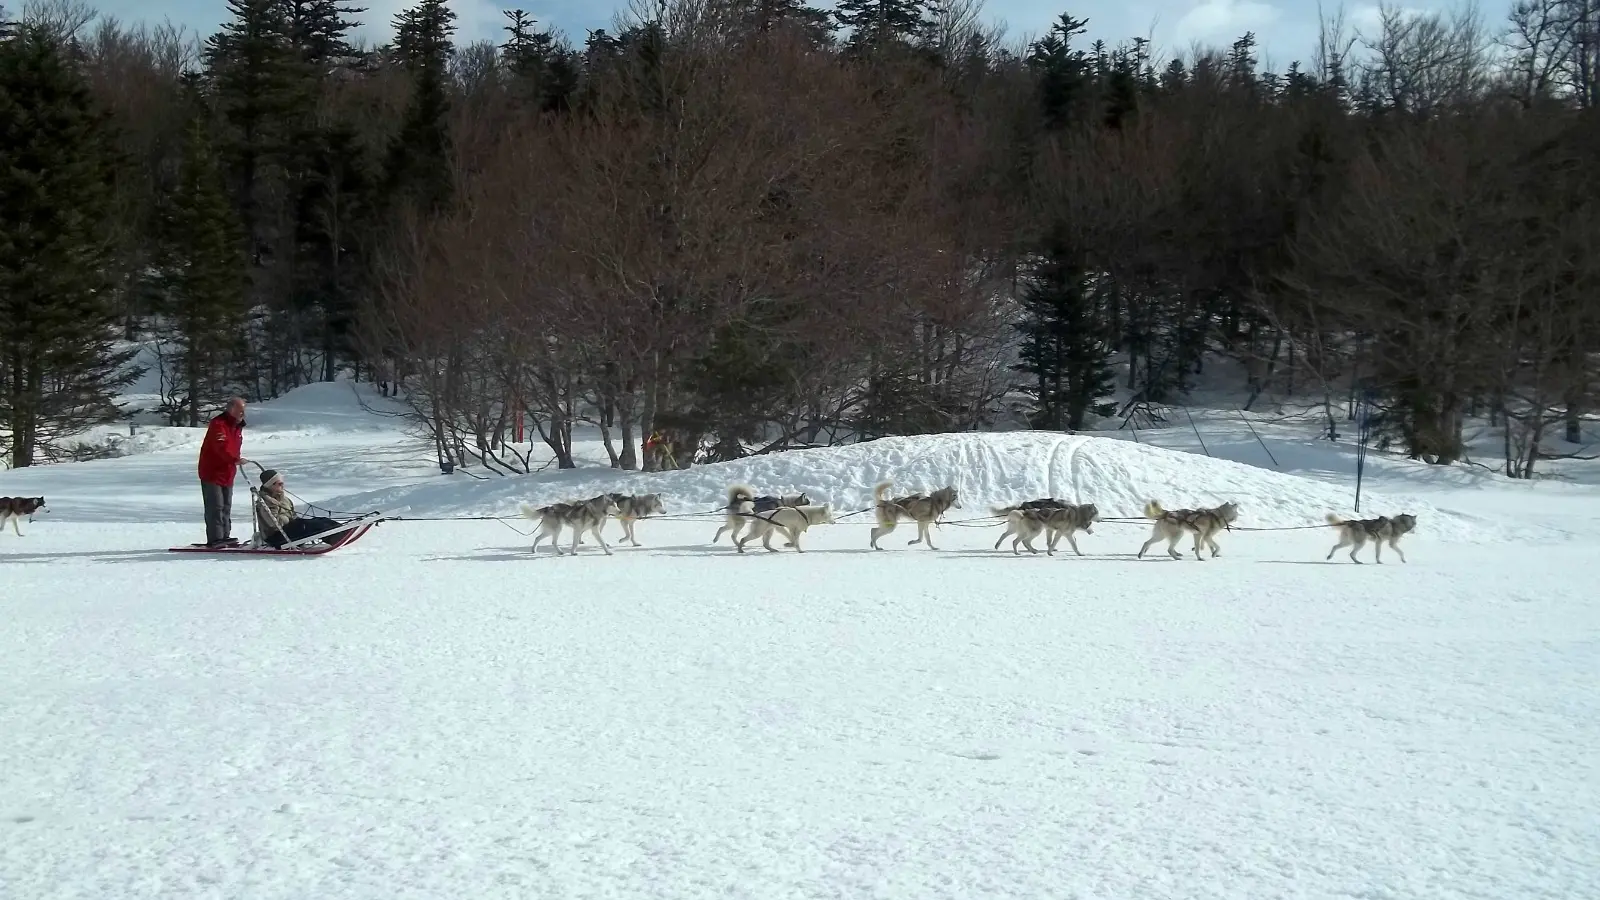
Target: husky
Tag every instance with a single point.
(792, 521)
(924, 509)
(584, 515)
(633, 507)
(1383, 529)
(1202, 523)
(743, 503)
(1026, 521)
(13, 509)
(1043, 503)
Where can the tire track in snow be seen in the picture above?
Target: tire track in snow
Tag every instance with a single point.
(1071, 467)
(1050, 468)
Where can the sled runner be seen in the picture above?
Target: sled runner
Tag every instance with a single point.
(311, 545)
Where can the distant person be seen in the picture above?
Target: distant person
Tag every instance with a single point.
(219, 461)
(280, 524)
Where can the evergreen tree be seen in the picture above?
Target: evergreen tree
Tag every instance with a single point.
(326, 189)
(419, 158)
(543, 70)
(59, 366)
(1064, 346)
(335, 216)
(1062, 72)
(252, 64)
(318, 28)
(876, 24)
(202, 281)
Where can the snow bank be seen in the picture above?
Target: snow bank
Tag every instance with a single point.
(987, 469)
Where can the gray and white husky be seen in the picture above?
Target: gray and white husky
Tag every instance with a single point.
(1055, 518)
(1382, 530)
(1172, 524)
(633, 507)
(584, 515)
(923, 509)
(743, 504)
(791, 521)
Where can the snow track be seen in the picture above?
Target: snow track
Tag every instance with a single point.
(432, 713)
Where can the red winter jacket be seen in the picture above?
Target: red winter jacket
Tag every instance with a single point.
(219, 454)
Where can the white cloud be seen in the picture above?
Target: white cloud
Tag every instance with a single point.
(1216, 20)
(1368, 19)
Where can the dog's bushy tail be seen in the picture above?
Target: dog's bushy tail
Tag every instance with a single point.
(1002, 511)
(741, 493)
(1334, 520)
(529, 511)
(881, 492)
(1153, 510)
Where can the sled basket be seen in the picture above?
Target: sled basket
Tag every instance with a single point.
(306, 546)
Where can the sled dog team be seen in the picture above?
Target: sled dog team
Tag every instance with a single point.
(760, 517)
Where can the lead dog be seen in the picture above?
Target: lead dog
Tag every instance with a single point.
(1202, 523)
(1055, 518)
(1355, 534)
(924, 509)
(743, 504)
(13, 509)
(791, 520)
(584, 515)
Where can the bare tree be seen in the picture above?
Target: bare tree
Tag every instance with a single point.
(1426, 63)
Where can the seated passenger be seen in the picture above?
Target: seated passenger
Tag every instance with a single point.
(280, 524)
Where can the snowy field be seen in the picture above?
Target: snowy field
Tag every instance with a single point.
(432, 713)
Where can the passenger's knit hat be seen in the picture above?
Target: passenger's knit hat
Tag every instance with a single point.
(269, 477)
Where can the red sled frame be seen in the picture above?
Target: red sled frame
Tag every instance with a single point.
(356, 528)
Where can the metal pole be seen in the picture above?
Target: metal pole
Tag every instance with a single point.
(1363, 439)
(1196, 430)
(1259, 440)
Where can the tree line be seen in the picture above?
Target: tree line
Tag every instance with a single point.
(743, 226)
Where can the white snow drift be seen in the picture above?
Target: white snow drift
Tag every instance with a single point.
(987, 469)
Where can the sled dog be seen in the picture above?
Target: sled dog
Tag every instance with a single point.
(1382, 530)
(633, 507)
(15, 509)
(581, 516)
(743, 505)
(1065, 520)
(923, 509)
(791, 521)
(1202, 523)
(1031, 505)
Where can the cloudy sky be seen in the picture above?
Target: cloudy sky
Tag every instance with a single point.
(1286, 28)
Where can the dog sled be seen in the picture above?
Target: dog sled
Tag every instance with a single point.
(311, 545)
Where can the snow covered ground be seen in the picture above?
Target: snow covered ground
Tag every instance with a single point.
(433, 713)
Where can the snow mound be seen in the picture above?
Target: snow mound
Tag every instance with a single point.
(986, 469)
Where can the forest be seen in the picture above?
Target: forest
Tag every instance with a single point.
(744, 226)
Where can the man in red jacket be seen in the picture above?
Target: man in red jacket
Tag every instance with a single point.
(219, 460)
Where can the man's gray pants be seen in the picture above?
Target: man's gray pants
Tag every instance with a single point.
(219, 511)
